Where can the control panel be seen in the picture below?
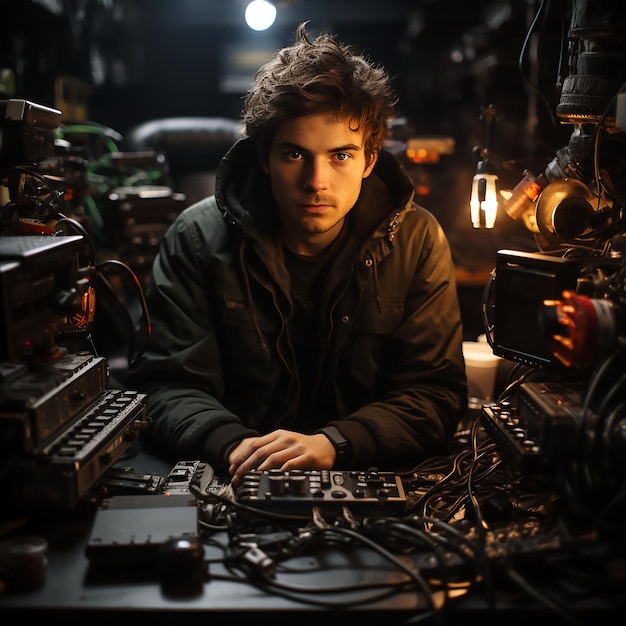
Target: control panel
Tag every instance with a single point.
(541, 431)
(367, 492)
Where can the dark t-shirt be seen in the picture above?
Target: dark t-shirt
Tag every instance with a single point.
(308, 330)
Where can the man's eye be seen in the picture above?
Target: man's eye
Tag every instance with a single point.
(343, 156)
(294, 154)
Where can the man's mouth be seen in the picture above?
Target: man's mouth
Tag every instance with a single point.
(316, 206)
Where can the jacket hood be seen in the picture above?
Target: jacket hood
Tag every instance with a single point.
(240, 182)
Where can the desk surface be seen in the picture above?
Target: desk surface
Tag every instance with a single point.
(330, 579)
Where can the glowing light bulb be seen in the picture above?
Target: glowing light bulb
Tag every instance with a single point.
(484, 200)
(260, 14)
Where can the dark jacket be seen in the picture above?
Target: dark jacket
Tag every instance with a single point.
(220, 364)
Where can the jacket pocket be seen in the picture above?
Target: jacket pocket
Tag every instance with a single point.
(368, 344)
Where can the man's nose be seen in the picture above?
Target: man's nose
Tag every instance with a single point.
(318, 175)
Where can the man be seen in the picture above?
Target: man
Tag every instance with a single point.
(306, 315)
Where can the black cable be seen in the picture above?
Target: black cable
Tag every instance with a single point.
(135, 351)
(334, 534)
(404, 531)
(419, 581)
(308, 595)
(582, 460)
(64, 223)
(266, 580)
(485, 306)
(477, 553)
(540, 12)
(481, 526)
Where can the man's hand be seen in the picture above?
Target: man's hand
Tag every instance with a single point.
(280, 449)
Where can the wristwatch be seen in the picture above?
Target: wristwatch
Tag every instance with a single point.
(340, 443)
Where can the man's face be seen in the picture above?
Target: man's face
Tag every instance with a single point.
(316, 165)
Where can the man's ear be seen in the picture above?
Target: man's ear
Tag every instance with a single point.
(373, 157)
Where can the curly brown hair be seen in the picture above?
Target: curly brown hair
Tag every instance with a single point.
(320, 76)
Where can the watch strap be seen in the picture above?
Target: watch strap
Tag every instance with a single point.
(340, 443)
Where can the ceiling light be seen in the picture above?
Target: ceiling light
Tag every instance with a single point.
(260, 14)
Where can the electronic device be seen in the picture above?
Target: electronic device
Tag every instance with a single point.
(26, 132)
(60, 471)
(530, 540)
(554, 428)
(61, 425)
(539, 432)
(139, 216)
(134, 527)
(523, 281)
(43, 292)
(538, 437)
(125, 481)
(192, 477)
(185, 478)
(366, 492)
(41, 399)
